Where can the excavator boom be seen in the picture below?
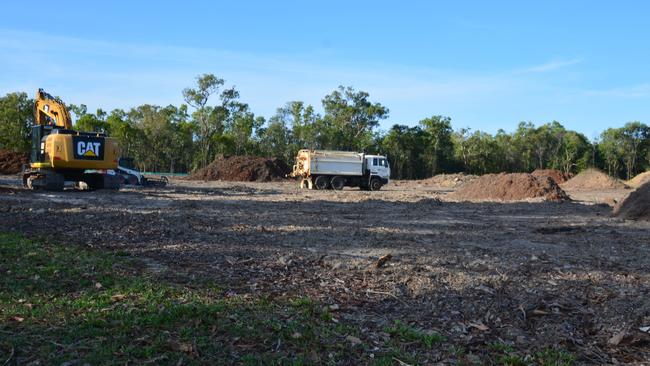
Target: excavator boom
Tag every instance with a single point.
(49, 110)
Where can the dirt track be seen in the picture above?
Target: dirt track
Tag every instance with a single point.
(533, 274)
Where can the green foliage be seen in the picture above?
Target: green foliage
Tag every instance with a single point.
(163, 137)
(478, 151)
(276, 138)
(405, 149)
(547, 146)
(176, 139)
(211, 121)
(438, 147)
(349, 119)
(626, 150)
(89, 122)
(16, 117)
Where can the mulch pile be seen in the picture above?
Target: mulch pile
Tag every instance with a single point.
(639, 180)
(511, 187)
(636, 206)
(243, 169)
(558, 176)
(12, 162)
(593, 179)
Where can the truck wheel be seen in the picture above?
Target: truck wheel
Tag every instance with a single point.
(337, 183)
(375, 184)
(321, 182)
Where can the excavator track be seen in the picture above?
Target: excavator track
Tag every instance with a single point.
(39, 180)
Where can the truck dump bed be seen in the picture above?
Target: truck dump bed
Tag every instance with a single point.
(324, 162)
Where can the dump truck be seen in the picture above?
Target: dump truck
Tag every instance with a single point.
(325, 169)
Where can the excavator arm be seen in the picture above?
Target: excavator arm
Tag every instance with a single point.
(49, 110)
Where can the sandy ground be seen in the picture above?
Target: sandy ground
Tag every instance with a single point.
(531, 274)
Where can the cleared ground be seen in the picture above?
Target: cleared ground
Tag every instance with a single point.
(515, 278)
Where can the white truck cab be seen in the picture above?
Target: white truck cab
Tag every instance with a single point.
(378, 166)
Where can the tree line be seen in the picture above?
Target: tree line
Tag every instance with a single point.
(214, 120)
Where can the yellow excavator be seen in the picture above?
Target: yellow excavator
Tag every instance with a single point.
(60, 154)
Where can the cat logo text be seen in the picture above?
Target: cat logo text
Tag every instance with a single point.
(88, 149)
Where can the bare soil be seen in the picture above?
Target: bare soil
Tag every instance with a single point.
(636, 206)
(557, 175)
(593, 179)
(12, 162)
(453, 181)
(528, 274)
(511, 187)
(639, 180)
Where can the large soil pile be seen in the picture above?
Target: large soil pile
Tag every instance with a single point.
(12, 162)
(455, 180)
(636, 206)
(243, 169)
(593, 179)
(558, 176)
(511, 187)
(639, 180)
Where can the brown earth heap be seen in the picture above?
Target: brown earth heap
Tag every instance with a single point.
(593, 179)
(558, 176)
(12, 162)
(639, 180)
(511, 187)
(636, 206)
(455, 180)
(243, 169)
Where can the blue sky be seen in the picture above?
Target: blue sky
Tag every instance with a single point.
(487, 65)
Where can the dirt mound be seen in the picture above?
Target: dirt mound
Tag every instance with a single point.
(558, 176)
(12, 162)
(636, 206)
(639, 180)
(243, 169)
(511, 187)
(593, 179)
(449, 180)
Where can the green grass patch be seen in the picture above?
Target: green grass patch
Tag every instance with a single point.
(405, 333)
(506, 355)
(63, 303)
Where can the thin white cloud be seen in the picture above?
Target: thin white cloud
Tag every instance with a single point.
(157, 72)
(634, 91)
(551, 66)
